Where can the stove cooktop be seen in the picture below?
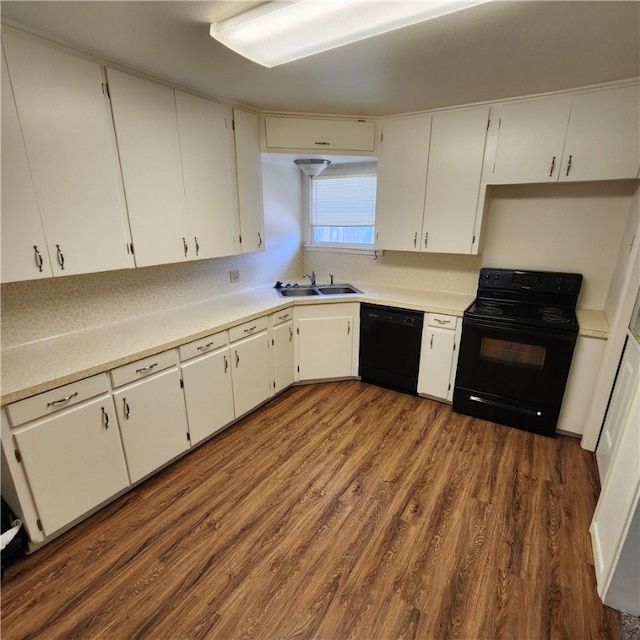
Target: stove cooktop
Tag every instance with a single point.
(523, 313)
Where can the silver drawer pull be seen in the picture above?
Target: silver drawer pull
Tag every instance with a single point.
(105, 418)
(439, 321)
(126, 408)
(204, 347)
(284, 317)
(62, 400)
(147, 368)
(251, 329)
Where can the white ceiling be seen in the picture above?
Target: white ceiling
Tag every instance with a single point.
(492, 51)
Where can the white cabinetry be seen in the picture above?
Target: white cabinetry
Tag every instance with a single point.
(69, 140)
(438, 356)
(429, 170)
(151, 412)
(208, 390)
(282, 349)
(249, 171)
(587, 136)
(287, 132)
(250, 364)
(327, 339)
(69, 445)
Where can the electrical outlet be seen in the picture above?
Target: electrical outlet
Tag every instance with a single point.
(234, 275)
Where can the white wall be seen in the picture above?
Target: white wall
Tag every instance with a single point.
(44, 308)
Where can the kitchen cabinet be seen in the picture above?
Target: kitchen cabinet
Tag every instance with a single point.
(282, 349)
(151, 412)
(208, 390)
(586, 136)
(68, 444)
(69, 142)
(295, 133)
(24, 247)
(585, 365)
(438, 356)
(429, 169)
(249, 173)
(250, 364)
(327, 339)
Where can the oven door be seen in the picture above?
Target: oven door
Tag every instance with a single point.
(511, 375)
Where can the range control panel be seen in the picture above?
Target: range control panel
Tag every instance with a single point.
(530, 281)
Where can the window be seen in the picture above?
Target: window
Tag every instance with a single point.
(342, 203)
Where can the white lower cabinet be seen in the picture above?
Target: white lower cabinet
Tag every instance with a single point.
(72, 459)
(151, 413)
(327, 339)
(250, 364)
(208, 389)
(282, 351)
(438, 356)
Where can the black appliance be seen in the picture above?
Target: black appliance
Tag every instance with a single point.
(390, 340)
(518, 338)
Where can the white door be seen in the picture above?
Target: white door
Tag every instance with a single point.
(208, 164)
(73, 461)
(603, 140)
(453, 180)
(249, 173)
(283, 361)
(250, 372)
(402, 178)
(24, 247)
(436, 358)
(144, 114)
(325, 347)
(531, 138)
(69, 139)
(208, 394)
(153, 422)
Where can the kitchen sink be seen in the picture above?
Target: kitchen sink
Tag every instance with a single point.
(297, 291)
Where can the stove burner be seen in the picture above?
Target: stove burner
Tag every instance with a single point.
(553, 315)
(488, 309)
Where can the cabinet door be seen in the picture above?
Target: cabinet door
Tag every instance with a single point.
(208, 164)
(249, 172)
(69, 139)
(250, 372)
(626, 385)
(531, 138)
(456, 154)
(603, 137)
(436, 357)
(325, 347)
(283, 362)
(144, 114)
(152, 421)
(24, 247)
(73, 461)
(208, 394)
(402, 178)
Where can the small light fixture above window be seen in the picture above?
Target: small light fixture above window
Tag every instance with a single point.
(281, 31)
(312, 167)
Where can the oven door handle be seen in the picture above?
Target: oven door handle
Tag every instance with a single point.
(502, 405)
(511, 328)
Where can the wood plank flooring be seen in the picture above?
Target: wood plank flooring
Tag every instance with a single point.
(339, 510)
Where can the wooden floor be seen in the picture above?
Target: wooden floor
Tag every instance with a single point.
(339, 510)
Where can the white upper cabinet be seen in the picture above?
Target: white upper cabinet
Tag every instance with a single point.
(24, 248)
(144, 114)
(249, 171)
(68, 136)
(603, 139)
(208, 165)
(429, 172)
(402, 175)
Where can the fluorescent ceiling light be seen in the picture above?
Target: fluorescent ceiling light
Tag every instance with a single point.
(285, 30)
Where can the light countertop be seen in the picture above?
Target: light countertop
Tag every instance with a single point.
(43, 365)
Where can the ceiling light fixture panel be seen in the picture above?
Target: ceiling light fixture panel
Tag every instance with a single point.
(278, 32)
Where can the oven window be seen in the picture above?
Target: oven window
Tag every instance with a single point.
(518, 354)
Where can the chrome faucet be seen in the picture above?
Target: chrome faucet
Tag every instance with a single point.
(312, 277)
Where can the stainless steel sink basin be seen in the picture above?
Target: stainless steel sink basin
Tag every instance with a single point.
(298, 292)
(337, 289)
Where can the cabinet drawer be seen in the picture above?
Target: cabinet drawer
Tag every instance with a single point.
(142, 368)
(282, 316)
(51, 401)
(204, 345)
(248, 328)
(442, 321)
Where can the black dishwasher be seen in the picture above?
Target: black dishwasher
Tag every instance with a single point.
(390, 340)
